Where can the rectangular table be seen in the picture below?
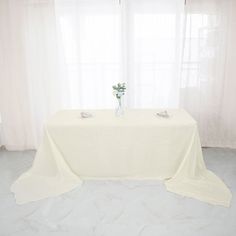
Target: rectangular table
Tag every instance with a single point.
(138, 145)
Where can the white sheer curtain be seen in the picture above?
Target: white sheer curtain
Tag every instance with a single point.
(57, 54)
(208, 74)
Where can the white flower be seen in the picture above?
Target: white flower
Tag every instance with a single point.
(120, 94)
(115, 92)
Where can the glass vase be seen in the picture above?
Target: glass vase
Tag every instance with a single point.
(120, 108)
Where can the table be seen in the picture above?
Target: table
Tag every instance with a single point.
(138, 145)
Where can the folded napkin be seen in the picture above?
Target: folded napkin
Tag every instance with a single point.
(163, 114)
(85, 115)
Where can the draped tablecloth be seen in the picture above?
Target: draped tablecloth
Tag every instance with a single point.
(138, 145)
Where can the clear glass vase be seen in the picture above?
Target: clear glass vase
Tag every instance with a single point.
(120, 108)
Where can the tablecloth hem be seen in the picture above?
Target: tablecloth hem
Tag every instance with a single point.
(198, 197)
(21, 202)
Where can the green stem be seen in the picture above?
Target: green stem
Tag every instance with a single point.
(119, 100)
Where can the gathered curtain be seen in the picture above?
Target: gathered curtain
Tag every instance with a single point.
(64, 54)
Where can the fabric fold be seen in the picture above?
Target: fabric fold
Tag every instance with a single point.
(192, 178)
(49, 176)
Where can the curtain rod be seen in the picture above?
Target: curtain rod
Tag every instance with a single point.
(185, 2)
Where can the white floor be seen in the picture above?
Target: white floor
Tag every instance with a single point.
(117, 208)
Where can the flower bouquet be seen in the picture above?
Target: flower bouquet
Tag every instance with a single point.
(118, 92)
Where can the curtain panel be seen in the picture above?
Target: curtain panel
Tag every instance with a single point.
(57, 54)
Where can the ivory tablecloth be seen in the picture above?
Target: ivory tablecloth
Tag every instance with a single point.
(138, 145)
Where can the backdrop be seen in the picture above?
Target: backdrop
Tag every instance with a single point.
(57, 54)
